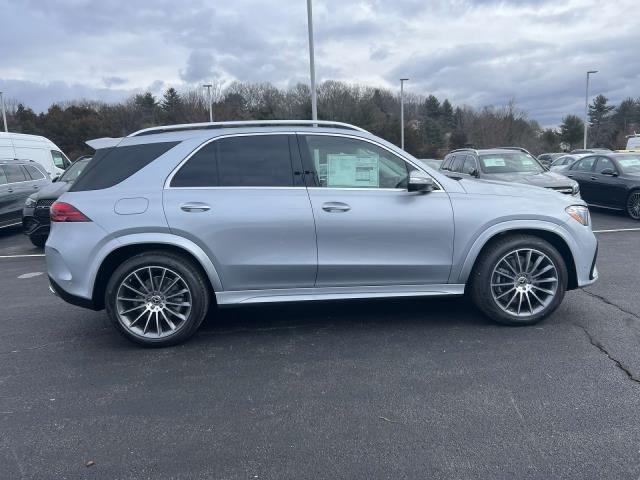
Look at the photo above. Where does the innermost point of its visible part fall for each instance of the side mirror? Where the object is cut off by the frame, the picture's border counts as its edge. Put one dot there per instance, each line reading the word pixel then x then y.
pixel 610 172
pixel 473 172
pixel 420 182
pixel 55 179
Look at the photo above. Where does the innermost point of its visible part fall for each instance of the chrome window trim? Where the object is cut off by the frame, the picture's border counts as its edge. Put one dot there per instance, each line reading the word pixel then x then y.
pixel 167 182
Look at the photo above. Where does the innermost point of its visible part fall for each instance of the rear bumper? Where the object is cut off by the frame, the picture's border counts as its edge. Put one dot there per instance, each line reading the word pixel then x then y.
pixel 58 291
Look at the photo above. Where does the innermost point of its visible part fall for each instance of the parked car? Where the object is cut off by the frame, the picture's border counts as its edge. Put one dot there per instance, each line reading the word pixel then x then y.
pixel 562 163
pixel 174 219
pixel 507 165
pixel 609 180
pixel 633 142
pixel 36 148
pixel 18 180
pixel 590 150
pixel 431 162
pixel 547 158
pixel 35 214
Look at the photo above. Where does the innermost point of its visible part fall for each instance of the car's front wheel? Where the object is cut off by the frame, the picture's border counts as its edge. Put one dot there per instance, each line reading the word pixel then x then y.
pixel 633 205
pixel 519 280
pixel 157 299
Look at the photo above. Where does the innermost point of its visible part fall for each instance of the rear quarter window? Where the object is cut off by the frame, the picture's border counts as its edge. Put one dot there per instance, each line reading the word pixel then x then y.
pixel 110 166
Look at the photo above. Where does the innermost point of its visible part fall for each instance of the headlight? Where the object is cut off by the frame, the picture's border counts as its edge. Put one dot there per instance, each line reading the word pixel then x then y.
pixel 31 202
pixel 579 213
pixel 575 189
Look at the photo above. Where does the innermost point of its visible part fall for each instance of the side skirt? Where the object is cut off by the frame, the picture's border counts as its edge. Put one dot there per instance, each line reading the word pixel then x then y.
pixel 336 293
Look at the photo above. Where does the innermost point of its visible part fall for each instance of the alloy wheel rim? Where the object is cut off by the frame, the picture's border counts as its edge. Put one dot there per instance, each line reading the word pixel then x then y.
pixel 524 282
pixel 153 302
pixel 634 205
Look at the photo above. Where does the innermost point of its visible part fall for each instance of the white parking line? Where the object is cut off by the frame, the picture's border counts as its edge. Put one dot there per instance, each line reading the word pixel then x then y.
pixel 23 256
pixel 616 230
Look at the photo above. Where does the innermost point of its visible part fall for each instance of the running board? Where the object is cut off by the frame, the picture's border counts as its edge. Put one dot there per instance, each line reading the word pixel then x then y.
pixel 335 293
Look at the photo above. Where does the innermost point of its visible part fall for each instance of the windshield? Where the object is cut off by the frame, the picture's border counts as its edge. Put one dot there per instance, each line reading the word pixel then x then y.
pixel 74 170
pixel 630 164
pixel 509 162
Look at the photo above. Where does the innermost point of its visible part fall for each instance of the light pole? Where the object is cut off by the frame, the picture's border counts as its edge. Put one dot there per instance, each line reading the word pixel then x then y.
pixel 586 107
pixel 402 80
pixel 209 86
pixel 312 63
pixel 4 115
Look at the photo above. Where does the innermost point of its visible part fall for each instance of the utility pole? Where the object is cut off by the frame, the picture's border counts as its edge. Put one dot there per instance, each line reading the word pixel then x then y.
pixel 586 107
pixel 209 86
pixel 312 63
pixel 4 115
pixel 402 80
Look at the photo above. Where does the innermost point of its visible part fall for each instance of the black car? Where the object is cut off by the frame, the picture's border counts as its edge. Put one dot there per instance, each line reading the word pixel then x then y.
pixel 609 180
pixel 18 180
pixel 507 165
pixel 35 214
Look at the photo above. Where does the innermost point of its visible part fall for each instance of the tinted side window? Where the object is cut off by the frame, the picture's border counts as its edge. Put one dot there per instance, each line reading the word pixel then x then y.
pixel 446 162
pixel 111 166
pixel 254 161
pixel 34 173
pixel 584 165
pixel 341 162
pixel 604 163
pixel 469 165
pixel 244 161
pixel 59 160
pixel 14 174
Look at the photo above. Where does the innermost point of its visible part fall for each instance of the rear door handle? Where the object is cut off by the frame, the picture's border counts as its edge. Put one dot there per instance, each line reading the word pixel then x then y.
pixel 10 190
pixel 593 178
pixel 195 207
pixel 335 207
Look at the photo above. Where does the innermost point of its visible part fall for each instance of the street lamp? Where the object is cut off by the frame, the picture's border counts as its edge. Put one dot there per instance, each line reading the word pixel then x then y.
pixel 312 66
pixel 586 107
pixel 209 86
pixel 4 115
pixel 402 80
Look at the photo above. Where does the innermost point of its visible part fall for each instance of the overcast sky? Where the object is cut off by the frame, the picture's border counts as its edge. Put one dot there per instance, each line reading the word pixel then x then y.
pixel 475 52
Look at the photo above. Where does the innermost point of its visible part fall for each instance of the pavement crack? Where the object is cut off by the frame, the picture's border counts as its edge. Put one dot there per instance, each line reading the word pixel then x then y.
pixel 596 343
pixel 609 302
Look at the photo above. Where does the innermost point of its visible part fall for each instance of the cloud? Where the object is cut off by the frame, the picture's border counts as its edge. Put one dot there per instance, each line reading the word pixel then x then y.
pixel 474 52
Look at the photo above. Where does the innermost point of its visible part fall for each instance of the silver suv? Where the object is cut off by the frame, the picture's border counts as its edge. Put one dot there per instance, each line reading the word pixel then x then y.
pixel 168 221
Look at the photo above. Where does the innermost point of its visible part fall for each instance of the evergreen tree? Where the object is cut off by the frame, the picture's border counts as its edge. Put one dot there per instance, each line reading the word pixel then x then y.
pixel 572 130
pixel 171 106
pixel 448 120
pixel 601 129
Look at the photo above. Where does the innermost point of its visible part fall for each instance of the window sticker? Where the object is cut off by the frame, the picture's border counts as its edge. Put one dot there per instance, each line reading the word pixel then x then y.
pixel 526 161
pixel 494 162
pixel 629 162
pixel 352 170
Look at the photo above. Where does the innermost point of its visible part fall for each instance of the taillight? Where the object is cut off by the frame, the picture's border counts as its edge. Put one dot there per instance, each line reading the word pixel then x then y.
pixel 65 212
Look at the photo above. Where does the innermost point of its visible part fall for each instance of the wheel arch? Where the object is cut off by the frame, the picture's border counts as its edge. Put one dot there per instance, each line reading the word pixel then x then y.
pixel 125 250
pixel 551 233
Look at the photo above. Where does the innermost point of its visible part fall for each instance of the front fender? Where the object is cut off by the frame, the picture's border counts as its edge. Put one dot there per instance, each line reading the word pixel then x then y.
pixel 460 272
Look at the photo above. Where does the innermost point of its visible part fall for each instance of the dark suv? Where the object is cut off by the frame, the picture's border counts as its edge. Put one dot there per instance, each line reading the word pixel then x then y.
pixel 506 164
pixel 18 180
pixel 35 215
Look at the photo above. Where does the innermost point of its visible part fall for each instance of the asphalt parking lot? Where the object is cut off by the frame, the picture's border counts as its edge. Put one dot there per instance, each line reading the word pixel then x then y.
pixel 362 389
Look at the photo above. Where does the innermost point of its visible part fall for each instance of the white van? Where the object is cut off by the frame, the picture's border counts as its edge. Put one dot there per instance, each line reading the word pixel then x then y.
pixel 633 142
pixel 33 147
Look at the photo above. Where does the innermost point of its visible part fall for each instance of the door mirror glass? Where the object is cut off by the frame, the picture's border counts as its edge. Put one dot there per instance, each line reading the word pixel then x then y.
pixel 473 172
pixel 420 182
pixel 609 171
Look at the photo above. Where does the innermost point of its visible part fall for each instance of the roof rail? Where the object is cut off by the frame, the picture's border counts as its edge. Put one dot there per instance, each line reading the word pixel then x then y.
pixel 243 123
pixel 520 149
pixel 467 149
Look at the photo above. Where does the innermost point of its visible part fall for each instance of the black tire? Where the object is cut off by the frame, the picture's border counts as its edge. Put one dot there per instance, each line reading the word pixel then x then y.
pixel 633 209
pixel 191 275
pixel 482 276
pixel 38 240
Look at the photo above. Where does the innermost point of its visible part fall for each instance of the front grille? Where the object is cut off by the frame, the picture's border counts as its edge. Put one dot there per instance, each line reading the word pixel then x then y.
pixel 565 190
pixel 42 209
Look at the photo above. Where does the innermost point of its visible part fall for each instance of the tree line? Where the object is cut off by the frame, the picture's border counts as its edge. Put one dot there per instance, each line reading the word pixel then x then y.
pixel 433 126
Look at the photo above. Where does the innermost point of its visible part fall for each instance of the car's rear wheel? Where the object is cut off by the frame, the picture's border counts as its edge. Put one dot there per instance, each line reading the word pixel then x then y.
pixel 38 240
pixel 519 280
pixel 633 205
pixel 157 299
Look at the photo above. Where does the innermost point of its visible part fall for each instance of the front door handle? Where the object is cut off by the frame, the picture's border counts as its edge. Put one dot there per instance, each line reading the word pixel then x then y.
pixel 335 207
pixel 10 190
pixel 35 187
pixel 195 207
pixel 570 176
pixel 593 178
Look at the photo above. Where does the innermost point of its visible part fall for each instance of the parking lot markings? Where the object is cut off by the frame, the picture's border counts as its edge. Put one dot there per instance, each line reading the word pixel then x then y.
pixel 23 255
pixel 616 230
